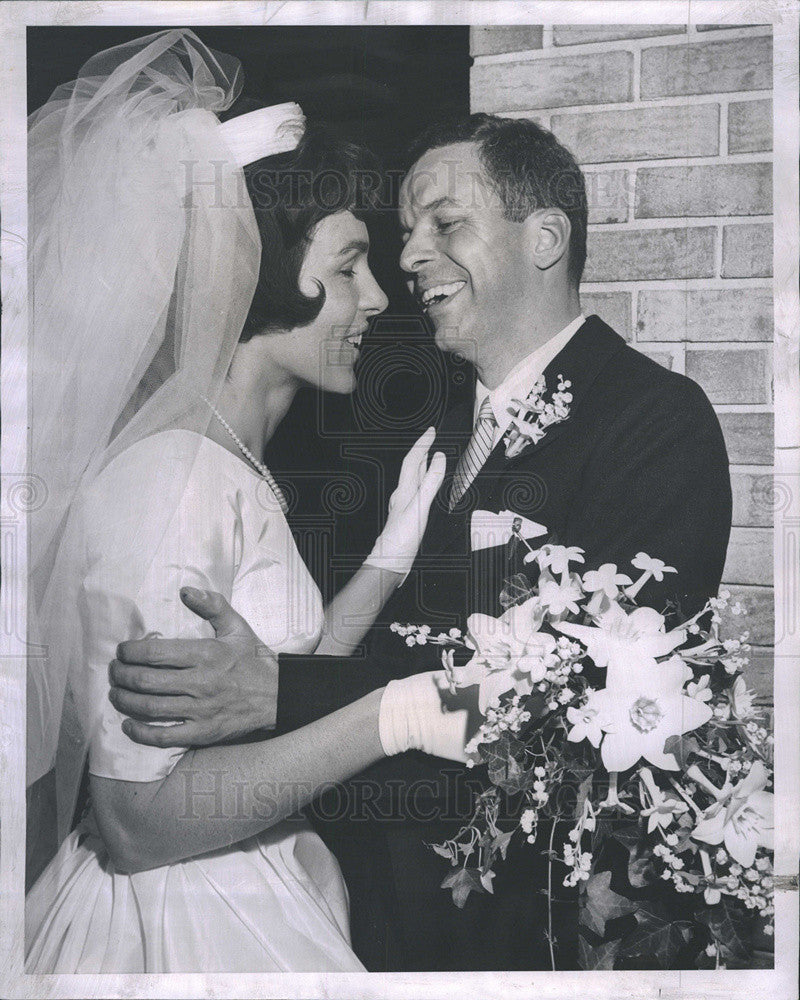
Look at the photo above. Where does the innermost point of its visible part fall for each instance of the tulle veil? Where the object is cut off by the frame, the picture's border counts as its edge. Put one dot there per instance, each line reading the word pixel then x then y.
pixel 143 260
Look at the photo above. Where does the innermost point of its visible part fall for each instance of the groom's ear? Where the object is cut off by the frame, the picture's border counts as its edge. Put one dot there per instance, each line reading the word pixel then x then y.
pixel 548 233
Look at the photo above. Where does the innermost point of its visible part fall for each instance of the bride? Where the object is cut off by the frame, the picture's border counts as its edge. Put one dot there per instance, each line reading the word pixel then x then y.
pixel 177 306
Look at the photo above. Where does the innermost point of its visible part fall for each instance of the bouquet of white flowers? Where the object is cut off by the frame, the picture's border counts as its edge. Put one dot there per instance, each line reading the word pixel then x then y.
pixel 657 737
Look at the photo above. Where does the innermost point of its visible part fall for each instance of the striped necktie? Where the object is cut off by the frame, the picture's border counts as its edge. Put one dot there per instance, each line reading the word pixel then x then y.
pixel 475 454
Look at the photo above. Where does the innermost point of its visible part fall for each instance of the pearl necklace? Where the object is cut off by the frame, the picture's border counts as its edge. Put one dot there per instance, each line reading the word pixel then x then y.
pixel 259 466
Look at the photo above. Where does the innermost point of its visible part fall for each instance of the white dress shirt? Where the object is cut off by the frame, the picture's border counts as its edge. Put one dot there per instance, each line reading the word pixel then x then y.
pixel 520 380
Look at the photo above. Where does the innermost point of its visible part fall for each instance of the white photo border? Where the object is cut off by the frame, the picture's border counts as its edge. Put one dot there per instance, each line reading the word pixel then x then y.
pixel 18 494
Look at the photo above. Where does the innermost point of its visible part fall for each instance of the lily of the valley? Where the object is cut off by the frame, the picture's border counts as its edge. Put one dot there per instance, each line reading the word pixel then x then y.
pixel 742 817
pixel 641 709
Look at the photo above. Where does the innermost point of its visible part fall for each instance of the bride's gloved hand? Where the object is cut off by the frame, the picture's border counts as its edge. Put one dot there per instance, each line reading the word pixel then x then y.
pixel 420 713
pixel 396 547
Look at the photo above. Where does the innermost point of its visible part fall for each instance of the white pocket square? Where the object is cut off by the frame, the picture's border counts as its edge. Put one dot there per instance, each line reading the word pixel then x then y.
pixel 488 530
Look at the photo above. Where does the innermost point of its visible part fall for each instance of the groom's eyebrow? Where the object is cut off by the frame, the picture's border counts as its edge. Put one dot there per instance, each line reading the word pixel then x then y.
pixel 432 206
pixel 444 201
pixel 354 246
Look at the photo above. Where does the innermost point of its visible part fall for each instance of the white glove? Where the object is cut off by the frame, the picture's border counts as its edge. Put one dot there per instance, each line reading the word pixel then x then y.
pixel 413 715
pixel 409 505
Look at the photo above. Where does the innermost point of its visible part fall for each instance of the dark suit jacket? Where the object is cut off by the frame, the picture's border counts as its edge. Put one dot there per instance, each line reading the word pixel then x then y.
pixel 639 465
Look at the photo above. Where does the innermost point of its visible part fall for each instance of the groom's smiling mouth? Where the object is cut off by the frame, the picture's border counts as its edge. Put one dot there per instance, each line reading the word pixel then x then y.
pixel 437 295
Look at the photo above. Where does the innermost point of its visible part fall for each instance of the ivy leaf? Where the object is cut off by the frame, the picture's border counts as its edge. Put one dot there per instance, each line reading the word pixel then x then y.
pixel 501 841
pixel 536 704
pixel 662 941
pixel 512 778
pixel 504 769
pixel 443 852
pixel 628 835
pixel 596 956
pixel 515 591
pixel 602 903
pixel 603 830
pixel 685 842
pixel 730 927
pixel 651 912
pixel 681 747
pixel 640 870
pixel 462 882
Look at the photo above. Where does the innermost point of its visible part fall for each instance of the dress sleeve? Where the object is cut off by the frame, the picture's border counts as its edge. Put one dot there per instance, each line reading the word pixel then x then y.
pixel 138 556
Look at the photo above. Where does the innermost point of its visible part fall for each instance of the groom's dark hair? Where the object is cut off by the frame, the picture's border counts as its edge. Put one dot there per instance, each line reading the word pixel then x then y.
pixel 528 167
pixel 291 193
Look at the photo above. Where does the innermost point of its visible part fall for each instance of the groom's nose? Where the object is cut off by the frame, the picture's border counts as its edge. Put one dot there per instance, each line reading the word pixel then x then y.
pixel 417 251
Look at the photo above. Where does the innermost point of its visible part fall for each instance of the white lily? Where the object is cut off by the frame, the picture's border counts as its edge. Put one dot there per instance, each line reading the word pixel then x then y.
pixel 585 723
pixel 623 642
pixel 560 597
pixel 711 893
pixel 742 817
pixel 510 653
pixel 508 634
pixel 641 709
pixel 742 700
pixel 612 799
pixel 739 705
pixel 664 807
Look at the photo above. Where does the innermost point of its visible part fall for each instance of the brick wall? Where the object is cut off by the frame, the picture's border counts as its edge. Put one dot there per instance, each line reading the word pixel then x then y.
pixel 673 128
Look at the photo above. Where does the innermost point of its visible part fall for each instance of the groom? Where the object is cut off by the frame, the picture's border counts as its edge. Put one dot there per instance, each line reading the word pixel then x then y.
pixel 494 218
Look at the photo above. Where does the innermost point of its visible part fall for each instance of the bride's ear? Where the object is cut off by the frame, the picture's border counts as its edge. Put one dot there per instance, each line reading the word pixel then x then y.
pixel 548 233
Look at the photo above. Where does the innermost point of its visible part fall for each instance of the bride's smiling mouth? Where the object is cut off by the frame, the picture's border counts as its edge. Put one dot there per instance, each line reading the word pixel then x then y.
pixel 436 296
pixel 353 340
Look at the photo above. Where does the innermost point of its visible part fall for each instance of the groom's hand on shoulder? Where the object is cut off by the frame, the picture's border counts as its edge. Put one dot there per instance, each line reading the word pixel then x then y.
pixel 220 689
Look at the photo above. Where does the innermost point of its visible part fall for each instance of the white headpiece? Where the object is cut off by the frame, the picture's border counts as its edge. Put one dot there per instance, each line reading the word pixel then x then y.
pixel 138 298
pixel 264 132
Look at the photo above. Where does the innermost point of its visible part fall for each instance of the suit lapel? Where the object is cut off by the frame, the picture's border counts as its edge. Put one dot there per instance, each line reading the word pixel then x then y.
pixel 581 362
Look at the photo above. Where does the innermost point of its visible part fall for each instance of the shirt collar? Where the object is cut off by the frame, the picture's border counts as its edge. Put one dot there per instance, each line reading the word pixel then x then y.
pixel 520 380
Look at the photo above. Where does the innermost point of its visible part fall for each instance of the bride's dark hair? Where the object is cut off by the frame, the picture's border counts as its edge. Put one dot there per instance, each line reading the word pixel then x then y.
pixel 291 193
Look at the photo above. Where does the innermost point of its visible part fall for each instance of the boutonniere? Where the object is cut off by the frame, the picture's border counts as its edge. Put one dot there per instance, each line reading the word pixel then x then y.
pixel 533 415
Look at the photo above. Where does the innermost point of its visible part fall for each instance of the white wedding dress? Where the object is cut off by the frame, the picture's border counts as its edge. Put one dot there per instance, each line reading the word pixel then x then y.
pixel 273 902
